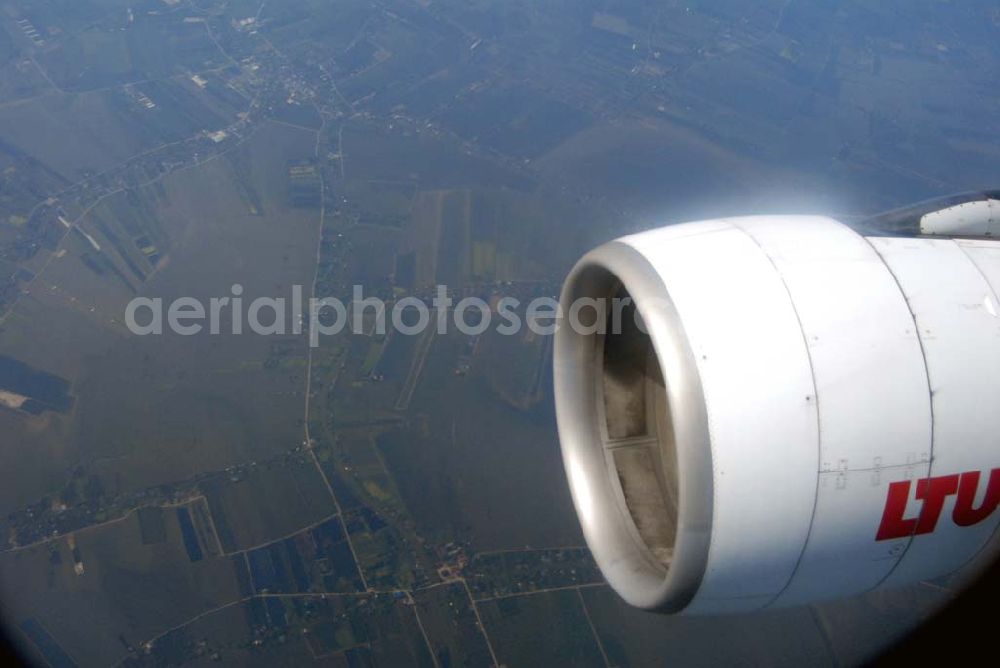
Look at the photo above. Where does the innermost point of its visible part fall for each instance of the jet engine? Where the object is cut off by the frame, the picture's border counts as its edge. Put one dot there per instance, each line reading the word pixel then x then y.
pixel 777 410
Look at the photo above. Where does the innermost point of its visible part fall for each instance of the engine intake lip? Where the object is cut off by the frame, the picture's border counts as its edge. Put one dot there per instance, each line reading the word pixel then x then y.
pixel 643 578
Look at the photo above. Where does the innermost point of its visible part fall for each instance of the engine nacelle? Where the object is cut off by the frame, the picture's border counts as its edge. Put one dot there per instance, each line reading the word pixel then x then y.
pixel 798 413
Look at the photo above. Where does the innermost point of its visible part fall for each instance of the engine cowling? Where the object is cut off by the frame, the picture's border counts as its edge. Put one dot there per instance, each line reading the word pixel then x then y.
pixel 773 411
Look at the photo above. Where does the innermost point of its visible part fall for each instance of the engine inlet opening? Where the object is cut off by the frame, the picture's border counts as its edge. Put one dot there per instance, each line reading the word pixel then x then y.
pixel 637 432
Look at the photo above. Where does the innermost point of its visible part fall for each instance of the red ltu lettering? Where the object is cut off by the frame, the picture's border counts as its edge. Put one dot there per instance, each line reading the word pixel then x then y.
pixel 933 492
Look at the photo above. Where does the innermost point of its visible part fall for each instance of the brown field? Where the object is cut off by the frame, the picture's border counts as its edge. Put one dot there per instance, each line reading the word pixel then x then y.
pixel 126 588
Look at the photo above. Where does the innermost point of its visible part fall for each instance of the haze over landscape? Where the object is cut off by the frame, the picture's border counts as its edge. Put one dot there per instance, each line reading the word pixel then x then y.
pixel 385 499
